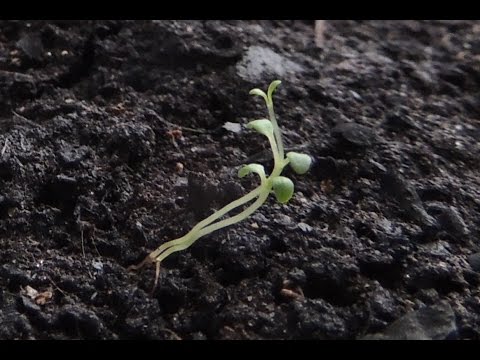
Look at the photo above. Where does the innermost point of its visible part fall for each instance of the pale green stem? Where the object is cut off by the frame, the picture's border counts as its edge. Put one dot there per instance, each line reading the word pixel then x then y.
pixel 227 208
pixel 239 217
pixel 276 129
pixel 216 215
pixel 277 170
pixel 194 236
pixel 276 155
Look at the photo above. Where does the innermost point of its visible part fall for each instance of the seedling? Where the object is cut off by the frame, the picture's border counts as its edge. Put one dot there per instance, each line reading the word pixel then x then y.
pixel 281 186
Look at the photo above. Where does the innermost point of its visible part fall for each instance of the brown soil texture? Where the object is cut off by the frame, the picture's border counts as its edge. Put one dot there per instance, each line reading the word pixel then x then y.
pixel 95 117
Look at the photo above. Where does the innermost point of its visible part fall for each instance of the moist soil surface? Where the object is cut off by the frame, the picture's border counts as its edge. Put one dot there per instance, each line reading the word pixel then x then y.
pixel 117 136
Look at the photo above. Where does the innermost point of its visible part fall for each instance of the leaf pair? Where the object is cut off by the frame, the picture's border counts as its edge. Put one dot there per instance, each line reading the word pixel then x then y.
pixel 300 163
pixel 282 186
pixel 267 97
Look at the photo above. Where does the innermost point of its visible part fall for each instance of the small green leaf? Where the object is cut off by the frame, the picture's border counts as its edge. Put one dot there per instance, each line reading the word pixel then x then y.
pixel 263 126
pixel 300 163
pixel 283 189
pixel 247 169
pixel 259 93
pixel 272 88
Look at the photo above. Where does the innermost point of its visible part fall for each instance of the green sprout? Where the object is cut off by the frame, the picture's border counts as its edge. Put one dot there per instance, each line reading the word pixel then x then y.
pixel 281 186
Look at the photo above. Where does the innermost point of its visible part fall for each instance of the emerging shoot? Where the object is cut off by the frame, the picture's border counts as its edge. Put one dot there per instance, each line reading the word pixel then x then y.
pixel 281 186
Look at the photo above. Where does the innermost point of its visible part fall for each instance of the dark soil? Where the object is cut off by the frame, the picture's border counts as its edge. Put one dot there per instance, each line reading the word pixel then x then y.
pixel 386 223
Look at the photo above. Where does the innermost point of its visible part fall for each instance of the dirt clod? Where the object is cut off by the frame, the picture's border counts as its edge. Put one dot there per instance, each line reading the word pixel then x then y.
pixel 117 136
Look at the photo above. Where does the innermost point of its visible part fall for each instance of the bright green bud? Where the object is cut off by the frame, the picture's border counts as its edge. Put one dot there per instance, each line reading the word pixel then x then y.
pixel 258 92
pixel 273 86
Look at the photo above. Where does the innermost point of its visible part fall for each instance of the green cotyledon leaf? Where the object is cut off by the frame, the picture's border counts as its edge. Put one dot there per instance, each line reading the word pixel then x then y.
pixel 300 163
pixel 283 189
pixel 256 168
pixel 262 126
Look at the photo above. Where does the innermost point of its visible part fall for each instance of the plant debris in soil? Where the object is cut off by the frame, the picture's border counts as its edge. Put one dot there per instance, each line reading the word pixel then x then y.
pixel 116 136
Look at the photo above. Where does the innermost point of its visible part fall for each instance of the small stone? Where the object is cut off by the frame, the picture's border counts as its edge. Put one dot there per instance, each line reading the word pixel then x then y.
pixel 305 227
pixel 97 265
pixel 232 127
pixel 261 61
pixel 283 219
pixel 355 134
pixel 260 218
pixel 435 322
